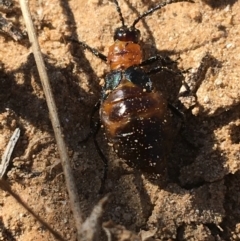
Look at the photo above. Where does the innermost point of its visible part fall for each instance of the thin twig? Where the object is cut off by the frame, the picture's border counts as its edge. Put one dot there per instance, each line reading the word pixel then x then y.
pixel 8 152
pixel 71 187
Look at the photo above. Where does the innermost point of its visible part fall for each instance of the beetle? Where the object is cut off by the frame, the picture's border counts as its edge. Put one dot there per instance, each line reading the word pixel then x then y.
pixel 137 119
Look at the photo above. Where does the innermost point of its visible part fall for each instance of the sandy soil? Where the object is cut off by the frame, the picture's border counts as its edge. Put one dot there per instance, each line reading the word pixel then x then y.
pixel 199 196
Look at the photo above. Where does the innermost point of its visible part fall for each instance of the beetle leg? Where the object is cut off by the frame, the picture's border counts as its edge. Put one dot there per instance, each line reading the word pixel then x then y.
pixel 176 111
pixel 92 50
pixel 94 129
pixel 164 61
pixel 94 124
pixel 182 128
pixel 161 68
pixel 104 160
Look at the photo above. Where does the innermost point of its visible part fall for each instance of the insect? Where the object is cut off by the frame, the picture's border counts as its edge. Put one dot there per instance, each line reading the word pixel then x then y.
pixel 136 118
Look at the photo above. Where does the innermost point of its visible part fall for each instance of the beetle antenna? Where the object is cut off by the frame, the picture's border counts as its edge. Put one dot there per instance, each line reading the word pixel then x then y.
pixel 119 12
pixel 159 6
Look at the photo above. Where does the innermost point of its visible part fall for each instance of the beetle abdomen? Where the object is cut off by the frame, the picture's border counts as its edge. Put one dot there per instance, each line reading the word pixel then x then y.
pixel 137 124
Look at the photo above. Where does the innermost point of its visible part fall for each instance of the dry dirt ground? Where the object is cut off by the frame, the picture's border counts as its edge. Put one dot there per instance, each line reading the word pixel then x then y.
pixel 198 198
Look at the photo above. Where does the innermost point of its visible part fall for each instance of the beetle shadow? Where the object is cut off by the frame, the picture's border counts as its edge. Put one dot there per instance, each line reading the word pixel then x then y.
pixel 208 164
pixel 209 169
pixel 200 128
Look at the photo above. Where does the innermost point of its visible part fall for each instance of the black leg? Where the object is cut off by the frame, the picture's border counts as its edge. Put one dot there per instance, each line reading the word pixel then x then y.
pixel 94 124
pixel 181 127
pixel 176 111
pixel 105 163
pixel 161 68
pixel 92 50
pixel 94 129
pixel 164 61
